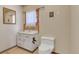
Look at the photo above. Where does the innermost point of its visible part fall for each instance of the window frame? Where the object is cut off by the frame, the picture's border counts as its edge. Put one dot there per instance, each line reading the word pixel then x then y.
pixel 37 24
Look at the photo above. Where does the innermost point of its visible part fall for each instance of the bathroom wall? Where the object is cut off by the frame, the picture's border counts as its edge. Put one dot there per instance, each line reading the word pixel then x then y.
pixel 8 31
pixel 58 26
pixel 63 26
pixel 75 29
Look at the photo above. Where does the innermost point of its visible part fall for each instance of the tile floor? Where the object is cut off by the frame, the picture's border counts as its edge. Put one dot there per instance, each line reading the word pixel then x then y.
pixel 17 50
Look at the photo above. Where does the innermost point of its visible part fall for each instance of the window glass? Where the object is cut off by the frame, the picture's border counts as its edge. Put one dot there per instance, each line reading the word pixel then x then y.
pixel 31 18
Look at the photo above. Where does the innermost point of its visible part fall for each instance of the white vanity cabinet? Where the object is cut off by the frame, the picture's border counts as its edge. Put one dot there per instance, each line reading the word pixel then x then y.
pixel 28 41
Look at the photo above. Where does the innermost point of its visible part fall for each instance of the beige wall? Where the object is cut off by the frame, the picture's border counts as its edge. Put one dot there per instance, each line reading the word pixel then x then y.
pixel 64 26
pixel 75 29
pixel 8 31
pixel 58 26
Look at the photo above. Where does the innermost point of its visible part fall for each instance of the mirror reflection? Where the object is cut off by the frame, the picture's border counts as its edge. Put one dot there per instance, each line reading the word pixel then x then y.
pixel 9 16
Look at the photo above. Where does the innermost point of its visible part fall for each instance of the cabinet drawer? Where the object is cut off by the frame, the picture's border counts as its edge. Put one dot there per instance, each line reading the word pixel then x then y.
pixel 26 36
pixel 19 39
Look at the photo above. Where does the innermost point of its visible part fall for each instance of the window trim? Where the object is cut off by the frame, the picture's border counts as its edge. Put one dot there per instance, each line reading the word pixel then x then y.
pixel 37 24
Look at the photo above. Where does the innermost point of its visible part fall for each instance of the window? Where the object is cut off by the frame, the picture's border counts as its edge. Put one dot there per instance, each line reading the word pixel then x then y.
pixel 32 20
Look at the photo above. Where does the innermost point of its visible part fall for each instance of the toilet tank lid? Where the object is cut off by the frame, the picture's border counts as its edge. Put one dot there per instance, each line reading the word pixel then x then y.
pixel 50 38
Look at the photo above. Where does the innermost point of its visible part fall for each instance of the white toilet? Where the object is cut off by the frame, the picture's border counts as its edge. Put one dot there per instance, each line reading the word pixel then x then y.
pixel 46 46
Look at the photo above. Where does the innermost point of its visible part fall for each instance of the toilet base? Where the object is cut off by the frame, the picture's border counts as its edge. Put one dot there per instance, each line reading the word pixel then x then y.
pixel 54 53
pixel 45 52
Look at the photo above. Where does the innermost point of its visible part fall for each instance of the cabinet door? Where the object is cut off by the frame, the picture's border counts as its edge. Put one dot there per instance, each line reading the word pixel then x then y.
pixel 28 44
pixel 35 44
pixel 20 41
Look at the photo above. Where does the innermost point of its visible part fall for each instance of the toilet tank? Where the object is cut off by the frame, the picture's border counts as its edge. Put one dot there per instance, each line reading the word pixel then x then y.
pixel 47 40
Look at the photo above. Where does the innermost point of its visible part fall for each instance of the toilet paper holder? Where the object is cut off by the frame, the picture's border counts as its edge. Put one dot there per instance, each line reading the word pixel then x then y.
pixel 33 40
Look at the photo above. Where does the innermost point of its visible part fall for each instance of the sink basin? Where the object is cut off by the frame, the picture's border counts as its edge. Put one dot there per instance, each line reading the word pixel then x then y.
pixel 29 32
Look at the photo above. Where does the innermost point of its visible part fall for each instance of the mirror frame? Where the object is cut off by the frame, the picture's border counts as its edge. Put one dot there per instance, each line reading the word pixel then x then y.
pixel 4 16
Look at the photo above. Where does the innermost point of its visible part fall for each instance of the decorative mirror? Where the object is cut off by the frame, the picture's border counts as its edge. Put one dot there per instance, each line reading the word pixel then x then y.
pixel 9 16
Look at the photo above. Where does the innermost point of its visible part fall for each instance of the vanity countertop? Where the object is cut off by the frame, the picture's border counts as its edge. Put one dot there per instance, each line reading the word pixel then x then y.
pixel 29 32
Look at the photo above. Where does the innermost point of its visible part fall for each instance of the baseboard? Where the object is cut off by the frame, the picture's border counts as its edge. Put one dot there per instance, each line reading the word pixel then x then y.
pixel 28 50
pixel 25 49
pixel 7 49
pixel 19 47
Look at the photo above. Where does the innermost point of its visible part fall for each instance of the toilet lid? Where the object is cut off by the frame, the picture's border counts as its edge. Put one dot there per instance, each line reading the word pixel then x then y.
pixel 44 47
